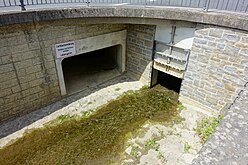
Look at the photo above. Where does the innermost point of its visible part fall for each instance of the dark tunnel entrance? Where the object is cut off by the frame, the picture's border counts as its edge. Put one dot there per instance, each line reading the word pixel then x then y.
pixel 166 80
pixel 92 68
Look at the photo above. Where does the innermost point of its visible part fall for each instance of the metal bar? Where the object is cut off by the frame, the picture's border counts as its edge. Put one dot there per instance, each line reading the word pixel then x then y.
pixel 173 31
pixel 153 55
pixel 181 2
pixel 206 5
pixel 4 3
pixel 190 3
pixel 227 4
pixel 22 5
pixel 237 5
pixel 198 5
pixel 217 5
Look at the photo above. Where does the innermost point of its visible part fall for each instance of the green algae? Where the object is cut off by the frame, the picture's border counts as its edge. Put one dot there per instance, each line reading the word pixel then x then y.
pixel 97 139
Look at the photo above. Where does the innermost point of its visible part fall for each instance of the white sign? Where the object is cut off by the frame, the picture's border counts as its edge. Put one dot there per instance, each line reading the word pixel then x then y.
pixel 65 49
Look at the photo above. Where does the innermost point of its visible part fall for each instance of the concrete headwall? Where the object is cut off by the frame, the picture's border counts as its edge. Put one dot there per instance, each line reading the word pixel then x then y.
pixel 218 66
pixel 28 77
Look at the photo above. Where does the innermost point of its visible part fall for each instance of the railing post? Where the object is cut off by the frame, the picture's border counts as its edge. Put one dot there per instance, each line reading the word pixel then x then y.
pixel 88 3
pixel 206 5
pixel 22 5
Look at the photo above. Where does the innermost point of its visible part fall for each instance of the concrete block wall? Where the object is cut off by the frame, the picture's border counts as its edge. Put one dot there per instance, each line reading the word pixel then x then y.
pixel 140 40
pixel 28 77
pixel 218 66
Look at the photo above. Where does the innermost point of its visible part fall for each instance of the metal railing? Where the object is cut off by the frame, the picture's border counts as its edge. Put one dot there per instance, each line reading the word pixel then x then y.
pixel 228 5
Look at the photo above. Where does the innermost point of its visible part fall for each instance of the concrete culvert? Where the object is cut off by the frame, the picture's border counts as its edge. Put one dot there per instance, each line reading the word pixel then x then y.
pixel 90 69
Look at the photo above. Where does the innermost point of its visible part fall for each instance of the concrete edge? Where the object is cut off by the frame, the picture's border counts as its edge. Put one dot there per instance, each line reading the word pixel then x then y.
pixel 220 18
pixel 198 106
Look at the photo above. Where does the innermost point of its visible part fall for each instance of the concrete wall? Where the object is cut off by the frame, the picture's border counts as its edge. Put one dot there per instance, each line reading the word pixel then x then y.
pixel 28 77
pixel 218 66
pixel 140 40
pixel 127 14
pixel 95 43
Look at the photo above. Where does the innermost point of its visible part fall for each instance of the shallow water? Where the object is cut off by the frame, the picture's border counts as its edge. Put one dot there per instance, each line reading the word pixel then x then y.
pixel 98 139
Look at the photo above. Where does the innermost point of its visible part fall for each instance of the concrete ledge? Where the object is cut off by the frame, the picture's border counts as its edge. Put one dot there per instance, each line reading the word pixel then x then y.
pixel 226 19
pixel 197 106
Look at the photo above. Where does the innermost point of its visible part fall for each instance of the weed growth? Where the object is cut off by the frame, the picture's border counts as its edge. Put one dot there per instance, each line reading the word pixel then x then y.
pixel 60 119
pixel 180 106
pixel 87 113
pixel 96 139
pixel 152 144
pixel 206 127
pixel 117 89
pixel 161 157
pixel 186 147
pixel 134 151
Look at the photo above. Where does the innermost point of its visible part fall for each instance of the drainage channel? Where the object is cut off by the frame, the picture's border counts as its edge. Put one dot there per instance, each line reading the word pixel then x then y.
pixel 97 139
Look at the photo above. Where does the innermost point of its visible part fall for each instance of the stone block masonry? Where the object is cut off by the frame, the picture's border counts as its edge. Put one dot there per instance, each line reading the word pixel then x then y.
pixel 140 40
pixel 218 66
pixel 28 77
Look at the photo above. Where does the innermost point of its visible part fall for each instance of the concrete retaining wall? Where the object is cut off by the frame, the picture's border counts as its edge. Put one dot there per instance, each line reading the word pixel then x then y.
pixel 28 77
pixel 218 66
pixel 140 40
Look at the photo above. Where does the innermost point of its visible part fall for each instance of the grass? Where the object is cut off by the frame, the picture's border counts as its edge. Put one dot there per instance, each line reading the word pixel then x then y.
pixel 161 133
pixel 134 151
pixel 152 144
pixel 87 113
pixel 98 138
pixel 206 127
pixel 117 89
pixel 60 119
pixel 161 157
pixel 180 106
pixel 186 147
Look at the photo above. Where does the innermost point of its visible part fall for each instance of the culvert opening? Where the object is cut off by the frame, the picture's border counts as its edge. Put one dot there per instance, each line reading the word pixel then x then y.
pixel 92 68
pixel 166 80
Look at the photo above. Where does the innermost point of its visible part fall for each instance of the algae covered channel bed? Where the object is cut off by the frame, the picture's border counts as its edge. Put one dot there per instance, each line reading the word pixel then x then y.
pixel 97 139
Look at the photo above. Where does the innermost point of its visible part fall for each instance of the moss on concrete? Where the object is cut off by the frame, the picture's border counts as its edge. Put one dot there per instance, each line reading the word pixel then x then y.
pixel 98 139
